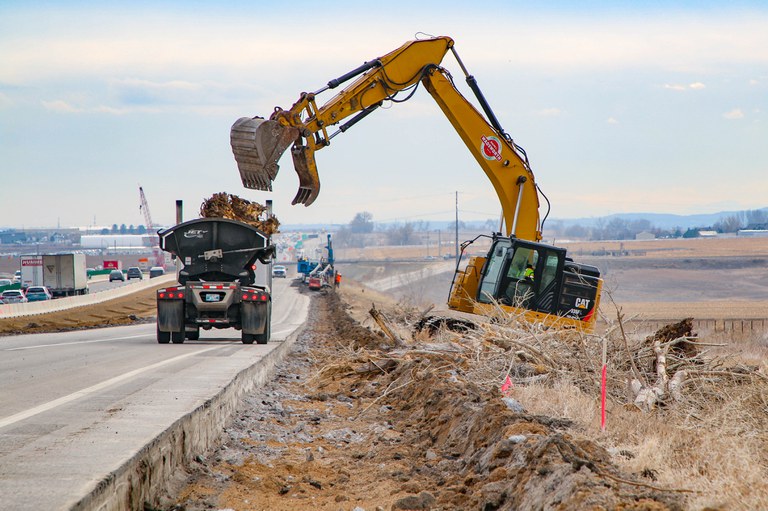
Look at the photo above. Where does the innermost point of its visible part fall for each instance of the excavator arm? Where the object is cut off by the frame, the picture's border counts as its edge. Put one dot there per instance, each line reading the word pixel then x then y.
pixel 258 143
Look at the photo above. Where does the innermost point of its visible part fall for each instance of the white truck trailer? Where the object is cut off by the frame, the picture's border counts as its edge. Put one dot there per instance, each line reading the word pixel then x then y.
pixel 62 274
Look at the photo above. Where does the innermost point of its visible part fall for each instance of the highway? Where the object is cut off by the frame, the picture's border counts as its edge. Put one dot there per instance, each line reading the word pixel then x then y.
pixel 76 408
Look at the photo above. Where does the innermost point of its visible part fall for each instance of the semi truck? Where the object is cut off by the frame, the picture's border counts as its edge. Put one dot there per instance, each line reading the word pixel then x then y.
pixel 224 281
pixel 62 274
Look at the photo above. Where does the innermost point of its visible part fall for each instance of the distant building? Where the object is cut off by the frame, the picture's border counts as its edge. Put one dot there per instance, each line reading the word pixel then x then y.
pixel 708 234
pixel 753 233
pixel 645 235
pixel 114 241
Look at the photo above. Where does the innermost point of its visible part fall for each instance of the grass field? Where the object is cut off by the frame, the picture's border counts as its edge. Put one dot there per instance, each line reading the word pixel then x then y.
pixel 705 278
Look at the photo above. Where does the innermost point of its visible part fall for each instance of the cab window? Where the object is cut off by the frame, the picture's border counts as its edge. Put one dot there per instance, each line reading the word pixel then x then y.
pixel 493 272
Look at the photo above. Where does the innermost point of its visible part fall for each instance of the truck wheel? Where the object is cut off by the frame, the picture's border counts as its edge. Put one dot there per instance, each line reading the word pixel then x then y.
pixel 177 337
pixel 193 335
pixel 248 338
pixel 264 338
pixel 163 337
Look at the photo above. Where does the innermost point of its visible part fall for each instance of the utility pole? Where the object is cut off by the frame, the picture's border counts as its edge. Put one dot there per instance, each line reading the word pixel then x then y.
pixel 457 226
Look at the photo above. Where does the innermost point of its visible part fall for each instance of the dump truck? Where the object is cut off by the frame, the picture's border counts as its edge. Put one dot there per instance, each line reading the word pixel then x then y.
pixel 224 282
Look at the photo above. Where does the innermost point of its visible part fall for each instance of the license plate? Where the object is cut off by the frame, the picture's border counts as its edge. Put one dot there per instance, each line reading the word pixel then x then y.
pixel 212 297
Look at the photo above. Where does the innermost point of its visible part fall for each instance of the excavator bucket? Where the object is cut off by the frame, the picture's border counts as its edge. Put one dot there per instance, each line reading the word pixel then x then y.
pixel 257 145
pixel 306 168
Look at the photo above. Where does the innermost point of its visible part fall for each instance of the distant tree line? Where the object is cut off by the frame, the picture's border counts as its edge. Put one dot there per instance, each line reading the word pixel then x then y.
pixel 621 229
pixel 123 229
pixel 361 230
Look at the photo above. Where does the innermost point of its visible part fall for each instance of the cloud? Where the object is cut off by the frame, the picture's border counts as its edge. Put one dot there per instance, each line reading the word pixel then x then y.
pixel 736 113
pixel 550 112
pixel 612 120
pixel 173 85
pixel 679 87
pixel 169 40
pixel 5 101
pixel 59 105
pixel 754 82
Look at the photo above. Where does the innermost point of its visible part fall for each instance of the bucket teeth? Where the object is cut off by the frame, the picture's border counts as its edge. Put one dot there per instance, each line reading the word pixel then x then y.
pixel 257 145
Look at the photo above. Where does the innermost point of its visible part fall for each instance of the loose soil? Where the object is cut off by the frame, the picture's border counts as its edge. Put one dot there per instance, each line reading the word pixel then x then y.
pixel 352 422
pixel 138 307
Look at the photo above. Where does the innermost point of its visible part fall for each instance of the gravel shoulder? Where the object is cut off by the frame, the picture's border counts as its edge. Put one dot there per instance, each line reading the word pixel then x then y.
pixel 352 422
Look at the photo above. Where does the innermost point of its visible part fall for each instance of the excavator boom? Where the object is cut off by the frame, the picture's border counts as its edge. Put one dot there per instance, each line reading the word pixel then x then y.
pixel 258 143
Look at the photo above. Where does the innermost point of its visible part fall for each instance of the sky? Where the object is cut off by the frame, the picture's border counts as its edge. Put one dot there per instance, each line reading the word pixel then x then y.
pixel 621 108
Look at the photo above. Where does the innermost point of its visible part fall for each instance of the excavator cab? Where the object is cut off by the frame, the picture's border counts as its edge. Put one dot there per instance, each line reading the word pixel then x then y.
pixel 536 279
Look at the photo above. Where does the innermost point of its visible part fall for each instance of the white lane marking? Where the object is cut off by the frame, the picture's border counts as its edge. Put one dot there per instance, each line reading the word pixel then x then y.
pixel 280 332
pixel 74 342
pixel 7 421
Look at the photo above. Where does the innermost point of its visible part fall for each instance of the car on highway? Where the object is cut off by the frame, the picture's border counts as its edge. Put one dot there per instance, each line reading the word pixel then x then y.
pixel 116 275
pixel 38 294
pixel 13 296
pixel 134 272
pixel 156 271
pixel 17 276
pixel 5 282
pixel 279 271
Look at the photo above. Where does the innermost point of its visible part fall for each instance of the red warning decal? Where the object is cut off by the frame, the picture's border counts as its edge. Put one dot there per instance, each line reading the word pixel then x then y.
pixel 491 148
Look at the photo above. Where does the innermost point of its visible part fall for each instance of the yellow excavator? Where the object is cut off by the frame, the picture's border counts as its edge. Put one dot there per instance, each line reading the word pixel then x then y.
pixel 519 273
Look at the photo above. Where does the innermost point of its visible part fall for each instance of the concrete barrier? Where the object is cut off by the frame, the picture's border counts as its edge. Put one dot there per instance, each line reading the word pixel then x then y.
pixel 15 310
pixel 148 474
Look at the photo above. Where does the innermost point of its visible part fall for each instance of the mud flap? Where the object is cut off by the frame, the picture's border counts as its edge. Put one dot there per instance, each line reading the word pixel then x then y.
pixel 253 317
pixel 170 316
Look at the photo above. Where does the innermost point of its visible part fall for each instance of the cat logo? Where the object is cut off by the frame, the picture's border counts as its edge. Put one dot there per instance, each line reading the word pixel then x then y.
pixel 582 303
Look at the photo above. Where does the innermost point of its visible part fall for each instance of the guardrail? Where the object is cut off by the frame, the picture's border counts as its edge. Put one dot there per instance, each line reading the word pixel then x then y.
pixel 15 310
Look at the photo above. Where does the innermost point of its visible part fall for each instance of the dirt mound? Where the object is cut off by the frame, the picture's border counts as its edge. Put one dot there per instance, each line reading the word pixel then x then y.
pixel 138 307
pixel 352 422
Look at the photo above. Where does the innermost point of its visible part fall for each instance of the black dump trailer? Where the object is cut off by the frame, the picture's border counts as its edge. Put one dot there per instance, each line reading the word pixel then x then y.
pixel 224 281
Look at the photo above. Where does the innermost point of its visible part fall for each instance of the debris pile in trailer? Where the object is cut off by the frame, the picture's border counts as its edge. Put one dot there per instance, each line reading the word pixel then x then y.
pixel 232 207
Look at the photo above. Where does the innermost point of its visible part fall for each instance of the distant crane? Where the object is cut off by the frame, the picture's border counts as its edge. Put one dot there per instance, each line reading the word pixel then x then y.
pixel 152 240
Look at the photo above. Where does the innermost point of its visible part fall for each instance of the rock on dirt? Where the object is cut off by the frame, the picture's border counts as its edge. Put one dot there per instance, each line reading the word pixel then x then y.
pixel 350 423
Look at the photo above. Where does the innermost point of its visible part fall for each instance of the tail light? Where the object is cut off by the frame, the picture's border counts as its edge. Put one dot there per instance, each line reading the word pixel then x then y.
pixel 255 296
pixel 171 293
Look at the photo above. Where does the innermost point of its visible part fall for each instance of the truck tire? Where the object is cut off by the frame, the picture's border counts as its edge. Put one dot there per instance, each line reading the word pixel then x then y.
pixel 264 338
pixel 163 337
pixel 177 337
pixel 193 335
pixel 248 338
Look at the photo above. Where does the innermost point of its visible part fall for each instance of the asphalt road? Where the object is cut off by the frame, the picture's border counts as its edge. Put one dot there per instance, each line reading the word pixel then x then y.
pixel 75 406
